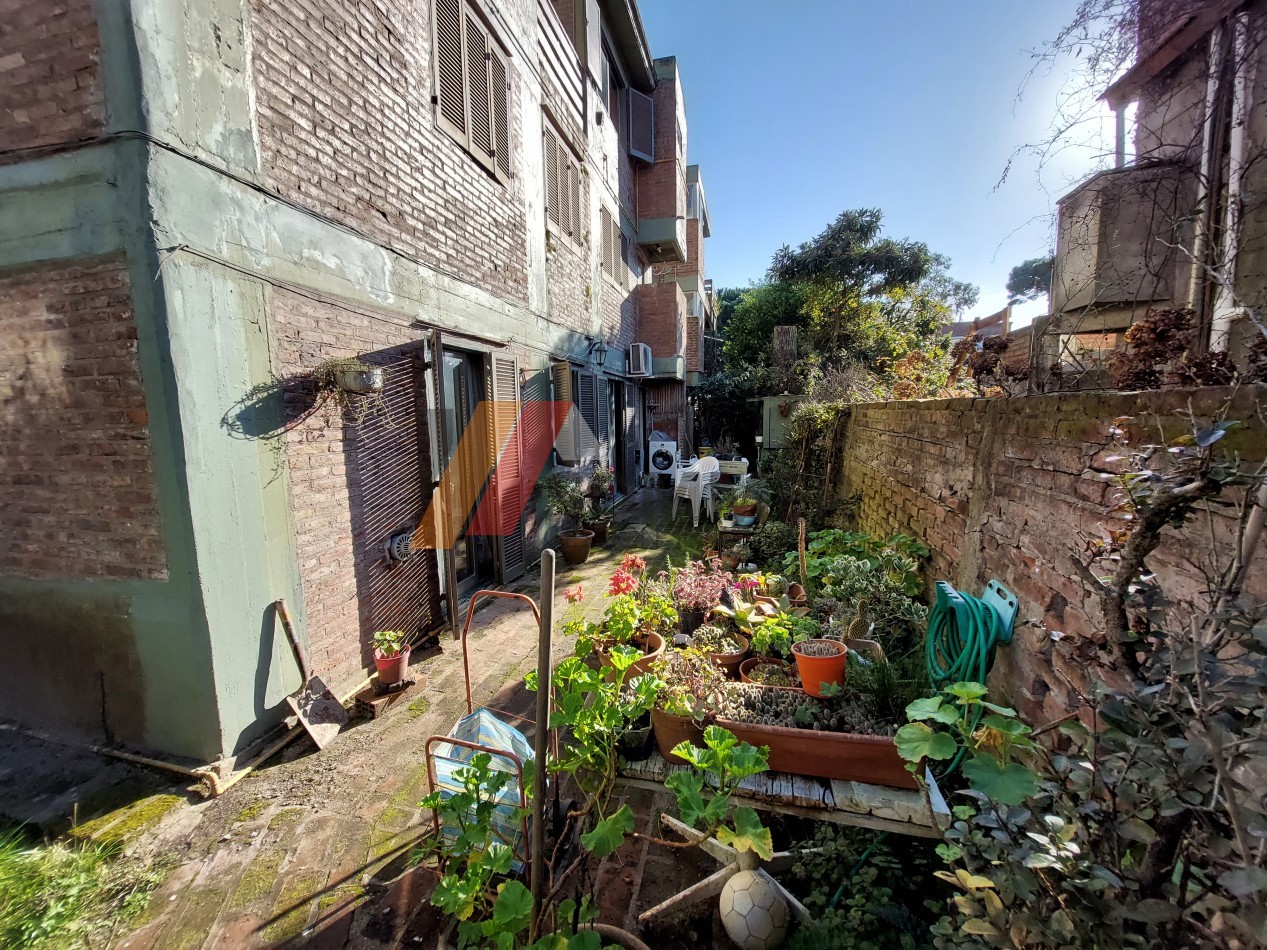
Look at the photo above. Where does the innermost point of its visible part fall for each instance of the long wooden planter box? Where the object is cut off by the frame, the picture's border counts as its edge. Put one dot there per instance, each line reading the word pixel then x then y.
pixel 872 760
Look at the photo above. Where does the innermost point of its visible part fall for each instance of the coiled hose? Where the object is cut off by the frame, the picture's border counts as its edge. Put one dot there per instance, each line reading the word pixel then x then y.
pixel 963 634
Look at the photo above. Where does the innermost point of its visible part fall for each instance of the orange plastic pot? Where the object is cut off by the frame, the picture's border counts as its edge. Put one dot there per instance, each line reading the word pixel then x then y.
pixel 817 670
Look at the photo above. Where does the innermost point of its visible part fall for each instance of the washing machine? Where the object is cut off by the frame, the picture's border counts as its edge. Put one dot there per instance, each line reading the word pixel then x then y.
pixel 661 453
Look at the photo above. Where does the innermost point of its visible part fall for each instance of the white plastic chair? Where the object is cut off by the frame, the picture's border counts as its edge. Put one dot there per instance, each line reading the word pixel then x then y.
pixel 696 482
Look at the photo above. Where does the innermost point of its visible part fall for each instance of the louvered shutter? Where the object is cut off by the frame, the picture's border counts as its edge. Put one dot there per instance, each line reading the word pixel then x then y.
pixel 508 473
pixel 565 441
pixel 566 215
pixel 606 225
pixel 633 439
pixel 641 126
pixel 603 414
pixel 574 182
pixel 500 82
pixel 450 70
pixel 478 92
pixel 588 445
pixel 624 260
pixel 552 178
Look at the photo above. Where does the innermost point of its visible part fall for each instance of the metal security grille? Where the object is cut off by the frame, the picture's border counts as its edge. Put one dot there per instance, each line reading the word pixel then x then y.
pixel 393 464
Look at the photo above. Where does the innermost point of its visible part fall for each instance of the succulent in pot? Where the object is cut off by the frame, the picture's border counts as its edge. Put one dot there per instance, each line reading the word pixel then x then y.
pixel 598 520
pixel 746 498
pixel 726 647
pixel 820 663
pixel 391 656
pixel 697 589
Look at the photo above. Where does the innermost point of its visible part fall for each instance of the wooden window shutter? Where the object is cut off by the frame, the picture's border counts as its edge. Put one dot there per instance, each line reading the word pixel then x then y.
pixel 624 260
pixel 567 214
pixel 641 126
pixel 574 184
pixel 603 413
pixel 587 446
pixel 450 68
pixel 508 476
pixel 479 95
pixel 552 178
pixel 500 83
pixel 607 240
pixel 565 442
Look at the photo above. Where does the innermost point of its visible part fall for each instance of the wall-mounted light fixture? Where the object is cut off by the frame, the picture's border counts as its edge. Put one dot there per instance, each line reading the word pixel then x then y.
pixel 598 349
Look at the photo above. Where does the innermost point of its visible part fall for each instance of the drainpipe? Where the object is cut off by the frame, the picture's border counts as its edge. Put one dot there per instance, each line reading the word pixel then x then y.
pixel 1225 309
pixel 1205 202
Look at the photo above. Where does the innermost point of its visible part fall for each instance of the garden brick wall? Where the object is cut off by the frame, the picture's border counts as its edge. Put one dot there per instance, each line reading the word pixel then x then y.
pixel 347 129
pixel 1007 488
pixel 50 81
pixel 77 490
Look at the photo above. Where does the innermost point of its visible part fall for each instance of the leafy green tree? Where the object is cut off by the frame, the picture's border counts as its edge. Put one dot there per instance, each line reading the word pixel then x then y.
pixel 749 329
pixel 1030 279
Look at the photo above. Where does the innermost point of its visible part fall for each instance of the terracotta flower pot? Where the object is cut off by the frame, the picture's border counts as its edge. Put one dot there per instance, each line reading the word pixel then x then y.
pixel 391 669
pixel 796 594
pixel 670 730
pixel 575 545
pixel 652 647
pixel 816 670
pixel 750 664
pixel 743 511
pixel 599 528
pixel 730 661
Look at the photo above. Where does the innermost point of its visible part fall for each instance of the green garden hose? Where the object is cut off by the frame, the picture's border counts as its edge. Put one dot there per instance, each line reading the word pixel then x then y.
pixel 963 633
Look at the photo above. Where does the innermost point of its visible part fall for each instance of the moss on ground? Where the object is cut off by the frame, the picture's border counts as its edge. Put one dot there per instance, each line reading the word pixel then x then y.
pixel 340 895
pixel 125 824
pixel 258 879
pixel 195 923
pixel 253 811
pixel 286 820
pixel 419 707
pixel 414 789
pixel 292 908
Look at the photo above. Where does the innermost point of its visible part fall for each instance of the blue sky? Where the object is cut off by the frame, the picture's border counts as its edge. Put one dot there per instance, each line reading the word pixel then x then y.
pixel 799 109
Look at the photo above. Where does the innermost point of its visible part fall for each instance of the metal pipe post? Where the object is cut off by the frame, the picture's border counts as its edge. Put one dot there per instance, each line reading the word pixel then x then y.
pixel 536 869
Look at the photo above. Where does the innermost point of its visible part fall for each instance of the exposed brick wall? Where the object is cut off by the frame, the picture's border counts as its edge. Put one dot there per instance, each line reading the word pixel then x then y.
pixel 346 128
pixel 50 83
pixel 77 490
pixel 694 334
pixel 662 318
pixel 1006 489
pixel 568 280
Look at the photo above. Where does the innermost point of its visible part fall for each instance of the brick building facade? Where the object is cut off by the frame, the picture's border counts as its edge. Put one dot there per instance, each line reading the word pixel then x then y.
pixel 206 203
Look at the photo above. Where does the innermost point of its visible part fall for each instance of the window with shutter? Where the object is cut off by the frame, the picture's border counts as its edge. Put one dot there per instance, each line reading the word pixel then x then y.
pixel 574 187
pixel 641 113
pixel 565 442
pixel 605 226
pixel 587 447
pixel 563 188
pixel 603 413
pixel 472 85
pixel 508 474
pixel 624 259
pixel 552 178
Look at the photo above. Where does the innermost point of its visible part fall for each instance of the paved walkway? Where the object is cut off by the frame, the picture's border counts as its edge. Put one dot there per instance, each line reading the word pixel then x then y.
pixel 312 850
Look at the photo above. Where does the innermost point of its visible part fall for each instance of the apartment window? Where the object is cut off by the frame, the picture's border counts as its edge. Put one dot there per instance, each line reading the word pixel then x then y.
pixel 615 248
pixel 472 85
pixel 563 188
pixel 613 88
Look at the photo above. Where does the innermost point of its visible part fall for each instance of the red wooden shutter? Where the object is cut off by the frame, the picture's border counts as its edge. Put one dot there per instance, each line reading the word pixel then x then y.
pixel 450 72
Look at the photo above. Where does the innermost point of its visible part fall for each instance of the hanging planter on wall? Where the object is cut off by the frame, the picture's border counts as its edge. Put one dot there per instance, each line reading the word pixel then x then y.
pixel 355 387
pixel 359 379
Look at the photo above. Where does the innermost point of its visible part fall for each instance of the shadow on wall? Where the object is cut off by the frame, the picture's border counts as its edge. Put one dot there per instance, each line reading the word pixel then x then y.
pixel 72 665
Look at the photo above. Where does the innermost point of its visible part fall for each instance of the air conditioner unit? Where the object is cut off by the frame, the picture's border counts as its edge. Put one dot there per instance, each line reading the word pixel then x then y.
pixel 639 360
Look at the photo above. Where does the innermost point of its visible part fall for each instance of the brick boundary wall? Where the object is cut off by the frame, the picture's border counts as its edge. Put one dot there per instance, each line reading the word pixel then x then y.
pixel 1007 488
pixel 78 497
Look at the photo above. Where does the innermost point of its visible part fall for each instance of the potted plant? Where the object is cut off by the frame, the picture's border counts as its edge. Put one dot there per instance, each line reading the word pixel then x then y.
pixel 769 671
pixel 565 499
pixel 745 498
pixel 391 656
pixel 599 520
pixel 725 511
pixel 727 648
pixel 820 662
pixel 602 482
pixel 697 589
pixel 351 376
pixel 691 691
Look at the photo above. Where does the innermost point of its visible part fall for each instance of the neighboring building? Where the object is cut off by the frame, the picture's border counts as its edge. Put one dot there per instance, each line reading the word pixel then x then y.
pixel 206 201
pixel 1183 225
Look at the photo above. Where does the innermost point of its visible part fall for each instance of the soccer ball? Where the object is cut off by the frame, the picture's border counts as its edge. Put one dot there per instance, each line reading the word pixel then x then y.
pixel 753 912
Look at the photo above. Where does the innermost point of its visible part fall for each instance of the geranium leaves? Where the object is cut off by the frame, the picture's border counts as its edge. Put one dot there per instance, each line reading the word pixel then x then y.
pixel 748 834
pixel 609 833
